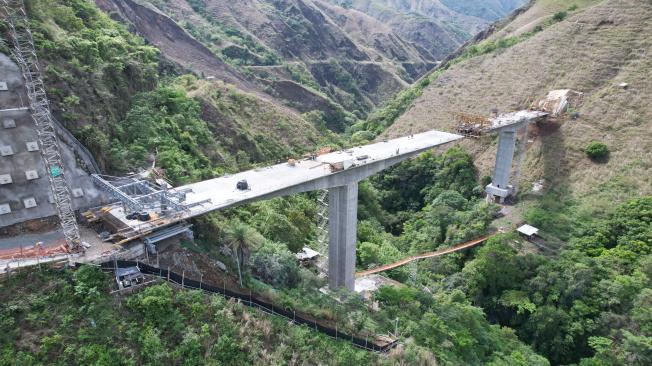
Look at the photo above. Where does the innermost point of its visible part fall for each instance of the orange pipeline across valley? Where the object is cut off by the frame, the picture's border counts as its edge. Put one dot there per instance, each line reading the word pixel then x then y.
pixel 437 253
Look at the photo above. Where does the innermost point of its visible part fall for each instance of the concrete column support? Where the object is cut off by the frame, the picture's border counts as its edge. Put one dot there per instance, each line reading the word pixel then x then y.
pixel 342 219
pixel 504 157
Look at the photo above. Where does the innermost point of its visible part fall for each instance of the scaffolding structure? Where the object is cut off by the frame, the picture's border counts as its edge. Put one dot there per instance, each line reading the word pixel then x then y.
pixel 322 220
pixel 140 195
pixel 15 17
pixel 322 228
pixel 471 125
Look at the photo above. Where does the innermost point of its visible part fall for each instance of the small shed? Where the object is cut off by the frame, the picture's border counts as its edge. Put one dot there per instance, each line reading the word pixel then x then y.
pixel 528 231
pixel 129 276
pixel 306 256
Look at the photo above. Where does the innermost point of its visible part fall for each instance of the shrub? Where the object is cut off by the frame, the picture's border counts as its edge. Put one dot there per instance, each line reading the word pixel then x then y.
pixel 596 150
pixel 274 264
pixel 361 137
pixel 559 16
pixel 368 254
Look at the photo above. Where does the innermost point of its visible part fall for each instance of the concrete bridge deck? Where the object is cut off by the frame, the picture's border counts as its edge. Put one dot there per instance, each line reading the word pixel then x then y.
pixel 339 172
pixel 515 120
pixel 307 175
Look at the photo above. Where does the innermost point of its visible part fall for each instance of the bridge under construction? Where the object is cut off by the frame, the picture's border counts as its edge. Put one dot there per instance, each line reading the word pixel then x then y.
pixel 137 206
pixel 338 172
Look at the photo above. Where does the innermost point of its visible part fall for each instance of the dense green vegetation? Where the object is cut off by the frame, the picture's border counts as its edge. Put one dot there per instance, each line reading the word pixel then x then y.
pixel 90 57
pixel 164 122
pixel 590 304
pixel 67 317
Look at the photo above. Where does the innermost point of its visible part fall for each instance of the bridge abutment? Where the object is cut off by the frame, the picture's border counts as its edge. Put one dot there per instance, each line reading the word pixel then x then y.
pixel 343 219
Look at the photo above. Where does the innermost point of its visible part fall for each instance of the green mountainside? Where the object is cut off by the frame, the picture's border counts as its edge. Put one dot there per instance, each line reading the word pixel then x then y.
pixel 207 87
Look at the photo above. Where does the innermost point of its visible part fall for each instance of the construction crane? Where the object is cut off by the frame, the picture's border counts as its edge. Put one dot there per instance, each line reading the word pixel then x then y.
pixel 15 17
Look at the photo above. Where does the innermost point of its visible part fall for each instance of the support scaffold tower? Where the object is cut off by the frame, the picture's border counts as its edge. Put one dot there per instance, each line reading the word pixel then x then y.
pixel 15 17
pixel 322 227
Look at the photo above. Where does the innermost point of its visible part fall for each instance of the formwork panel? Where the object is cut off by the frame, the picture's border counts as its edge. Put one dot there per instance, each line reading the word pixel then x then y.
pixel 5 209
pixel 32 146
pixel 31 174
pixel 9 123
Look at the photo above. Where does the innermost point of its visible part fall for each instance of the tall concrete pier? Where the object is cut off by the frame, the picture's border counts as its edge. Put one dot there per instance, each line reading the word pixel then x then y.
pixel 339 172
pixel 342 221
pixel 499 186
pixel 506 125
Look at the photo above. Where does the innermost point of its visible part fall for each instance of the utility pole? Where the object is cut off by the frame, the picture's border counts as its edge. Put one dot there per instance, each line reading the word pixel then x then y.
pixel 15 17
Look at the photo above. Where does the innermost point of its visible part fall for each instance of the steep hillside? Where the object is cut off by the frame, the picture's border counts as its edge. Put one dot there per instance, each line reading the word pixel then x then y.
pixel 592 49
pixel 537 14
pixel 125 102
pixel 438 27
pixel 491 10
pixel 351 60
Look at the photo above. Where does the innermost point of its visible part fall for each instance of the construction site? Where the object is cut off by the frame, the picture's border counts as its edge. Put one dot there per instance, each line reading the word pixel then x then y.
pixel 321 182
pixel 57 206
pixel 45 173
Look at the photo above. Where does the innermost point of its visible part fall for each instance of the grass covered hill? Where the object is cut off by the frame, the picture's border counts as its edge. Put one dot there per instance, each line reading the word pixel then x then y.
pixel 589 46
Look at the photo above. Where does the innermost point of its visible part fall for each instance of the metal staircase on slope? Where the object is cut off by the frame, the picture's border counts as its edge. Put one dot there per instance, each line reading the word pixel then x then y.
pixel 15 17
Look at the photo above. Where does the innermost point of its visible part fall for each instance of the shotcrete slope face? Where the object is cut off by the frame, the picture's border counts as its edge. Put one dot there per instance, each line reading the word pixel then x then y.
pixel 29 195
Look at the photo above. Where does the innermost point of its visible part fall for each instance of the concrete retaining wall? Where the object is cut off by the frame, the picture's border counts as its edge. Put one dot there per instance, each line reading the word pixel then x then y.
pixel 30 197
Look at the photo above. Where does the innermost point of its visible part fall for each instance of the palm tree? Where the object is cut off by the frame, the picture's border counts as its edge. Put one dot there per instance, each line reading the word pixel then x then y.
pixel 239 235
